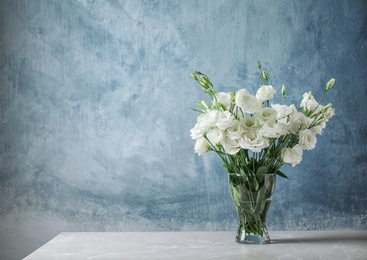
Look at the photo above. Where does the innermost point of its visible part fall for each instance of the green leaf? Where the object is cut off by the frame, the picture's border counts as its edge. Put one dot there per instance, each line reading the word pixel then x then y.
pixel 196 110
pixel 235 196
pixel 255 183
pixel 262 170
pixel 281 174
pixel 259 201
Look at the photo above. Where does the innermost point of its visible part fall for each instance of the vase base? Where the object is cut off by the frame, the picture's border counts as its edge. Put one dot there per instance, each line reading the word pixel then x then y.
pixel 253 240
pixel 244 238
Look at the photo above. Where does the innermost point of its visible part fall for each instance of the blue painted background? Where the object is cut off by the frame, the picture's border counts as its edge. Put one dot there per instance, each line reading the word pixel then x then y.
pixel 95 119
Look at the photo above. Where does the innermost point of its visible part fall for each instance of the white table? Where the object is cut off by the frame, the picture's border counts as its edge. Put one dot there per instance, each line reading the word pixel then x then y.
pixel 203 245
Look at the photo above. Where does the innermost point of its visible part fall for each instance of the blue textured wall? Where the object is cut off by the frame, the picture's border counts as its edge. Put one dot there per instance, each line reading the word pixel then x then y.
pixel 95 119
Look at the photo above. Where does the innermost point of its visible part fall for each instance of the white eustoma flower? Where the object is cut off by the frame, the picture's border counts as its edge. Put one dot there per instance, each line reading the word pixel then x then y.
pixel 266 114
pixel 198 131
pixel 247 102
pixel 309 104
pixel 273 129
pixel 224 120
pixel 224 99
pixel 205 121
pixel 298 121
pixel 201 146
pixel 249 123
pixel 307 139
pixel 241 97
pixel 318 128
pixel 253 141
pixel 282 110
pixel 254 105
pixel 235 131
pixel 231 146
pixel 265 93
pixel 215 135
pixel 330 112
pixel 292 155
pixel 209 118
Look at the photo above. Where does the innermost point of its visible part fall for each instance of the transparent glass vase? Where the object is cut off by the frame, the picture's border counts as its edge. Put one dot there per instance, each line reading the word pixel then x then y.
pixel 252 196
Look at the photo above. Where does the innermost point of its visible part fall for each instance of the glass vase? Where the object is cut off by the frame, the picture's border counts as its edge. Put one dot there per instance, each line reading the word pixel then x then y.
pixel 252 195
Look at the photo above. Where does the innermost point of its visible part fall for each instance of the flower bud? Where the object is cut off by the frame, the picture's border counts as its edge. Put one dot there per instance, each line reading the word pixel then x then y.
pixel 265 75
pixel 203 82
pixel 259 64
pixel 193 76
pixel 309 96
pixel 232 95
pixel 325 108
pixel 320 120
pixel 283 91
pixel 218 105
pixel 203 104
pixel 206 79
pixel 330 84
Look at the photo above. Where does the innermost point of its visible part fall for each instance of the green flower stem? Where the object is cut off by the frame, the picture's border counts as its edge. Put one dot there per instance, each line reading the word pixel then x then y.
pixel 251 202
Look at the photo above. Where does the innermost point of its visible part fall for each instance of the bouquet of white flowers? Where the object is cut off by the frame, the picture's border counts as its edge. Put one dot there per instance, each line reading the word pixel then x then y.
pixel 252 135
pixel 254 139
